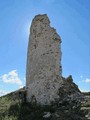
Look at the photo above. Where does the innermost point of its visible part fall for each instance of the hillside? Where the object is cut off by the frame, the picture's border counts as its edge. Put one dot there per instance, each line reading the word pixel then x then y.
pixel 12 107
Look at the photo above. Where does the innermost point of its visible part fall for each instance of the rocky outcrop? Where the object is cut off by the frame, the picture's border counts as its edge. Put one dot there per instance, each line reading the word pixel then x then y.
pixel 44 70
pixel 12 107
pixel 44 81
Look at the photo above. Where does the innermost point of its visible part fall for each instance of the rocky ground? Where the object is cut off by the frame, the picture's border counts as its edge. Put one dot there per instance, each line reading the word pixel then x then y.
pixel 72 105
pixel 85 105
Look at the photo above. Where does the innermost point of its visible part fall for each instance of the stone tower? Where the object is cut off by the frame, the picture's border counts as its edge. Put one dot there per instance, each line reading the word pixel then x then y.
pixel 43 70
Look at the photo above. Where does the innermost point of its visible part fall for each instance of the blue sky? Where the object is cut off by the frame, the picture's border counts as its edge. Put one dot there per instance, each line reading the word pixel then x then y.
pixel 71 19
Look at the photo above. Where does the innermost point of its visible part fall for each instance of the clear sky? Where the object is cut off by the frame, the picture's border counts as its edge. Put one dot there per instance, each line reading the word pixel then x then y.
pixel 71 19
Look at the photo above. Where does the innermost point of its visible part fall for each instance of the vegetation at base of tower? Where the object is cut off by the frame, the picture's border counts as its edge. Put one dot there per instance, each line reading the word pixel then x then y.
pixel 19 110
pixel 14 108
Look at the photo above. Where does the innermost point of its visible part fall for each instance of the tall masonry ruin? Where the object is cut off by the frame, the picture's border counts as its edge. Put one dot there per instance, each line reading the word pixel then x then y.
pixel 43 70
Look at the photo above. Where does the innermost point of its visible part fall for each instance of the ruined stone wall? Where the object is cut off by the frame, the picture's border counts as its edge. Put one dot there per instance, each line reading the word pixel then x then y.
pixel 43 61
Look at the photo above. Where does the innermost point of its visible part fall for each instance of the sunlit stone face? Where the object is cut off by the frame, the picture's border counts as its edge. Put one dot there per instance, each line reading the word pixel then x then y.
pixel 43 61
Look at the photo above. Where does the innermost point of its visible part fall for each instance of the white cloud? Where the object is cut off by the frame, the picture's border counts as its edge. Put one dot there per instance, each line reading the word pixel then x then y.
pixel 87 80
pixel 83 90
pixel 11 77
pixel 3 92
pixel 21 86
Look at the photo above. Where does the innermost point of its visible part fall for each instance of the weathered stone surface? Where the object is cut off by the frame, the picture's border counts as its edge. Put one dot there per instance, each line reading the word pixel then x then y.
pixel 44 69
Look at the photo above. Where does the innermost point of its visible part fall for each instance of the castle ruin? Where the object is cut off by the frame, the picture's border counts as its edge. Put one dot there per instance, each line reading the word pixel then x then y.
pixel 43 70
